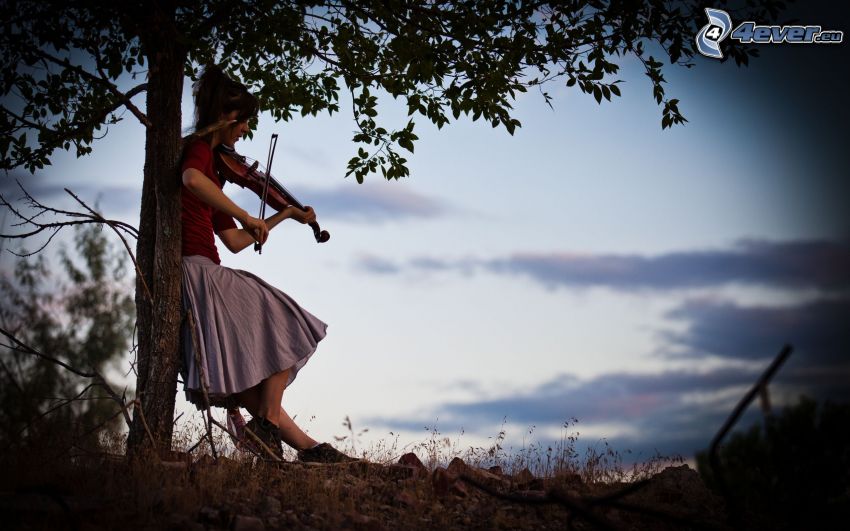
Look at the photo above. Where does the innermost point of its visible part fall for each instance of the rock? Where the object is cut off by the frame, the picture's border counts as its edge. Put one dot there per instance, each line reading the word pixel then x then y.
pixel 184 523
pixel 457 467
pixel 411 461
pixel 247 523
pixel 459 488
pixel 441 481
pixel 363 522
pixel 485 476
pixel 445 482
pixel 408 499
pixel 523 477
pixel 269 506
pixel 397 471
pixel 210 515
pixel 677 484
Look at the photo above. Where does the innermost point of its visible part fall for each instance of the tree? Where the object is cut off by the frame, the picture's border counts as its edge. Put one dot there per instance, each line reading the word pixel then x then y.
pixel 85 320
pixel 66 66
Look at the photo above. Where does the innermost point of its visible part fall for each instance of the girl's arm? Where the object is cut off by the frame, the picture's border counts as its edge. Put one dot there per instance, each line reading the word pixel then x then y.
pixel 237 239
pixel 205 190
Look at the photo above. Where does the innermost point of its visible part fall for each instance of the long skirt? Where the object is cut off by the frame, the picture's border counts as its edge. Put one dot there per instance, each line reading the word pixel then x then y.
pixel 244 331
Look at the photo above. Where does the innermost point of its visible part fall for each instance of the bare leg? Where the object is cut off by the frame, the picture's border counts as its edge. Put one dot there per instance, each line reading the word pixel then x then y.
pixel 292 435
pixel 271 393
pixel 264 400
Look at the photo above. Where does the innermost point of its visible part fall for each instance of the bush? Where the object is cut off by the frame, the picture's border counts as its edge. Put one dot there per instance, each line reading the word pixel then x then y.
pixel 792 473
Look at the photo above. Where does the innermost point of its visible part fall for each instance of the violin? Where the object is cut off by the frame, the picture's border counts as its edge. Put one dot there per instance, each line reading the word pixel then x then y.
pixel 236 168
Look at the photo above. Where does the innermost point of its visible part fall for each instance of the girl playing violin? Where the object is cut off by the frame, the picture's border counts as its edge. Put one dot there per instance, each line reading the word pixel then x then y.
pixel 251 338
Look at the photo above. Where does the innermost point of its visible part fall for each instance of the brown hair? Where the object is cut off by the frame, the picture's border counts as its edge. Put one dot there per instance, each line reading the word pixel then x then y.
pixel 216 95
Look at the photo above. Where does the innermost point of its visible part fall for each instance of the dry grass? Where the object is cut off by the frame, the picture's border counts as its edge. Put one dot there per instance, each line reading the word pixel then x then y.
pixel 98 488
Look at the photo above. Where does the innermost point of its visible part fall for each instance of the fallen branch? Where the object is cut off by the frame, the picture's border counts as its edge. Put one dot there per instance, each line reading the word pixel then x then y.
pixel 714 458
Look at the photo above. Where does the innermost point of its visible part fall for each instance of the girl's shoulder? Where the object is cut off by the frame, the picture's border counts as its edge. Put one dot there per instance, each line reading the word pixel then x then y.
pixel 197 154
pixel 196 146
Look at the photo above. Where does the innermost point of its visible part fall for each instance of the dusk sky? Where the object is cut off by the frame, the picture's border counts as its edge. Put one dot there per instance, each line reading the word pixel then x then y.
pixel 590 266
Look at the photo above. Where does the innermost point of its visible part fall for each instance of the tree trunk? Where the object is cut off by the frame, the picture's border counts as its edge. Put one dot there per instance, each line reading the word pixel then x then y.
pixel 158 249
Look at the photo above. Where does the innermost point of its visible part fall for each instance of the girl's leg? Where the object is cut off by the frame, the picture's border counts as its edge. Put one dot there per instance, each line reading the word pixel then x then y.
pixel 264 400
pixel 292 435
pixel 271 394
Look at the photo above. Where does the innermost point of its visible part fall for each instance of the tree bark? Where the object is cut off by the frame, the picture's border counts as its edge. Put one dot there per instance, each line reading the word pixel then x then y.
pixel 158 249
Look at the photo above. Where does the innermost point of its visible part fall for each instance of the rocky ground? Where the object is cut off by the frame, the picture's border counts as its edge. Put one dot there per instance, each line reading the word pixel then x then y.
pixel 101 492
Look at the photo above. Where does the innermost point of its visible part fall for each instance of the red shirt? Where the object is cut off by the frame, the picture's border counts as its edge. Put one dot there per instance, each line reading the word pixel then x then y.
pixel 200 220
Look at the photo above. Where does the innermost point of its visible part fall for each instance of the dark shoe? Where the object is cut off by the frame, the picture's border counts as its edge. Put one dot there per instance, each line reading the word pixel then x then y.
pixel 267 433
pixel 324 453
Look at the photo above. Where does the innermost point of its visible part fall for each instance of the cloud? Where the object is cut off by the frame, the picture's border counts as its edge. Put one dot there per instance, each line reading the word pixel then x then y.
pixel 373 203
pixel 111 198
pixel 655 407
pixel 362 203
pixel 819 330
pixel 672 412
pixel 678 411
pixel 376 265
pixel 815 263
pixel 798 264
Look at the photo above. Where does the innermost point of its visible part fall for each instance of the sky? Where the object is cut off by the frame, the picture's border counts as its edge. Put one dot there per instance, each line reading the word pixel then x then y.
pixel 590 267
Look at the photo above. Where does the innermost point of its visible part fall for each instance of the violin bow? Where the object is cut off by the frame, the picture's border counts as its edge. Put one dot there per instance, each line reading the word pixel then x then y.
pixel 258 246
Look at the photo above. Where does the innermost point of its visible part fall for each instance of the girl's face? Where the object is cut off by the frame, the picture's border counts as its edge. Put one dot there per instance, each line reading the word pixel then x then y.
pixel 235 131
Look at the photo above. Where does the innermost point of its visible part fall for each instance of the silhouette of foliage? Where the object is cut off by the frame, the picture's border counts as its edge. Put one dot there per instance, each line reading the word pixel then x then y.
pixel 794 471
pixel 83 316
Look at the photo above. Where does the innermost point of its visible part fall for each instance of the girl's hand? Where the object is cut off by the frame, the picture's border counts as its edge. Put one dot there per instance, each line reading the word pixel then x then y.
pixel 256 227
pixel 304 216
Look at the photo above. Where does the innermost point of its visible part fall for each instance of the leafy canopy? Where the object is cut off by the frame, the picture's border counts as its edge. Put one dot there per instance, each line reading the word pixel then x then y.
pixel 72 68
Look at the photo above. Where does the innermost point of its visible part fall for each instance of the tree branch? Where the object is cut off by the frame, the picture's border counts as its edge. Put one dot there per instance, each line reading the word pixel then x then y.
pixel 91 217
pixel 98 380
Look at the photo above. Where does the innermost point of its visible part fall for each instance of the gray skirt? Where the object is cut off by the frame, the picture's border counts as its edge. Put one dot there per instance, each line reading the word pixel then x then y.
pixel 244 331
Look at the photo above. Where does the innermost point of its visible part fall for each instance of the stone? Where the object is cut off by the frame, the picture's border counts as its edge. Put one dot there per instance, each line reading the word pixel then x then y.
pixel 209 514
pixel 448 481
pixel 396 471
pixel 457 467
pixel 459 489
pixel 408 499
pixel 269 506
pixel 411 461
pixel 247 523
pixel 441 481
pixel 677 484
pixel 184 523
pixel 363 522
pixel 523 477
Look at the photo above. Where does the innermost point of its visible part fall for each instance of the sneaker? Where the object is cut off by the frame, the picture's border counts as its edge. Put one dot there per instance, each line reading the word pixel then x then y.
pixel 267 432
pixel 324 453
